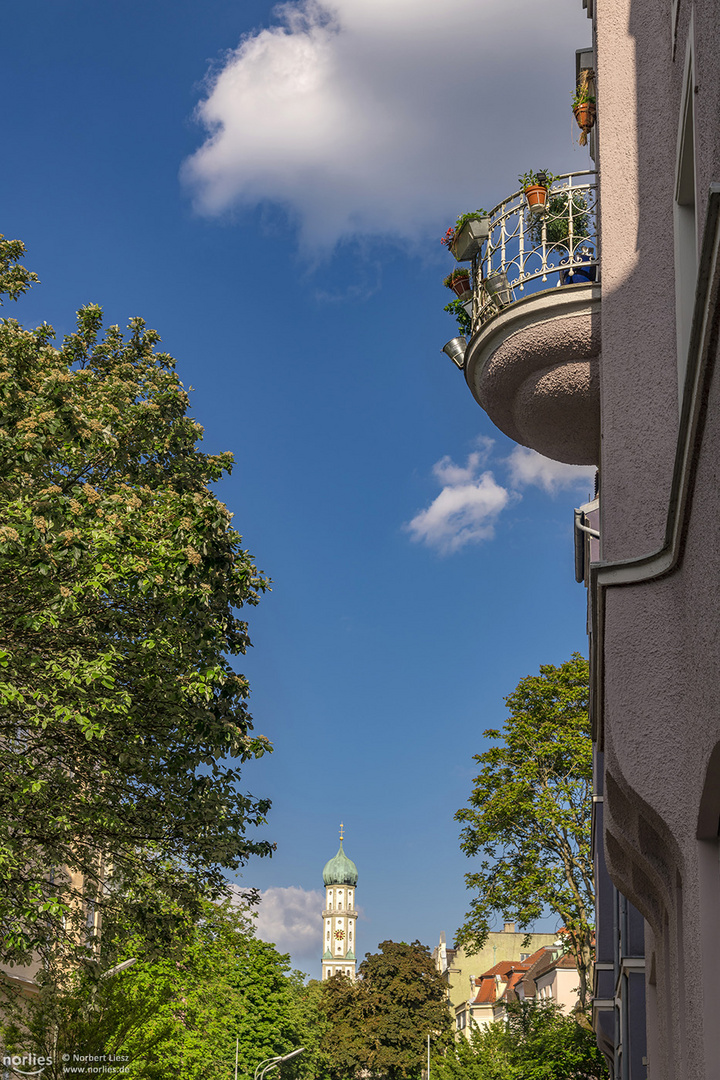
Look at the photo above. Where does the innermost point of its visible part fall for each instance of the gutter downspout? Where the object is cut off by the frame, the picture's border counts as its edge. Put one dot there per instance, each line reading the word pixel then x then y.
pixel 635 570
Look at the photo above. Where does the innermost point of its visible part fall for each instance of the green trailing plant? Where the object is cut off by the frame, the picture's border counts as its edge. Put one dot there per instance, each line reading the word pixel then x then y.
pixel 464 323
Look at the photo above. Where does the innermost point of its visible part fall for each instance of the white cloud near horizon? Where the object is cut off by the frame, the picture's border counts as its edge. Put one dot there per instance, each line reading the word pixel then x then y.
pixel 468 507
pixel 290 918
pixel 368 118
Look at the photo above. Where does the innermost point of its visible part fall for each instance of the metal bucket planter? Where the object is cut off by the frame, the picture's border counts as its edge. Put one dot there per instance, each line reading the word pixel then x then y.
pixel 536 197
pixel 455 349
pixel 470 238
pixel 497 288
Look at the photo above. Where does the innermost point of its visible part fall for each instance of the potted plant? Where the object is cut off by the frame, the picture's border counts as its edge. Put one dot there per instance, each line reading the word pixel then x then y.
pixel 459 282
pixel 584 108
pixel 466 238
pixel 497 288
pixel 535 185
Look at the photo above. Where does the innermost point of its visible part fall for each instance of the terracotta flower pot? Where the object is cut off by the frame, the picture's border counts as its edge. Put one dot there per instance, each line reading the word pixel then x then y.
pixel 461 287
pixel 585 115
pixel 536 198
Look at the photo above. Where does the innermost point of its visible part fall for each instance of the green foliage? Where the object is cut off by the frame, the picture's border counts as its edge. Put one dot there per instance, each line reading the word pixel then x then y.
pixel 561 208
pixel 464 322
pixel 458 274
pixel 179 1014
pixel 14 278
pixel 380 1023
pixel 582 96
pixel 449 238
pixel 535 1043
pixel 471 215
pixel 122 721
pixel 540 177
pixel 529 814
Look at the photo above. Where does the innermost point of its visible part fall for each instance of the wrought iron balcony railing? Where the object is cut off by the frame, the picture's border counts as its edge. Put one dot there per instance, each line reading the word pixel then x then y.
pixel 528 251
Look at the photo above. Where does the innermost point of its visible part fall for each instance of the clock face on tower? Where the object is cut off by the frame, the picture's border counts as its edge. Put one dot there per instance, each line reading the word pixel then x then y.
pixel 339 934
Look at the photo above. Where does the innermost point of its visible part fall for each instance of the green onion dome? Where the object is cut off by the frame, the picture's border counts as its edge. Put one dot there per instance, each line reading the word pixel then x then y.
pixel 340 870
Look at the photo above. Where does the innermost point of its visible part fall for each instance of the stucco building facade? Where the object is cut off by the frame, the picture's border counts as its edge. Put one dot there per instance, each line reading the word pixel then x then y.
pixel 618 366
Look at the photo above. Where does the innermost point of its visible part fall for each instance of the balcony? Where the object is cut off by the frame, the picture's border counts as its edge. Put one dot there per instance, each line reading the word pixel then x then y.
pixel 533 357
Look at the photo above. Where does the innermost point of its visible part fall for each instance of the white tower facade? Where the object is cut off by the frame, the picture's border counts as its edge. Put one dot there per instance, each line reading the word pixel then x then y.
pixel 339 916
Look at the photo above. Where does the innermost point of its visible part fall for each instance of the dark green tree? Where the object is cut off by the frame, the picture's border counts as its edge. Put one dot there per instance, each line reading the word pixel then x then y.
pixel 380 1023
pixel 122 720
pixel 529 815
pixel 536 1042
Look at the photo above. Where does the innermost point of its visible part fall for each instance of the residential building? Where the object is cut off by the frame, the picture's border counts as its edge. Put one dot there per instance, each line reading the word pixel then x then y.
pixel 460 969
pixel 616 366
pixel 546 975
pixel 553 976
pixel 339 916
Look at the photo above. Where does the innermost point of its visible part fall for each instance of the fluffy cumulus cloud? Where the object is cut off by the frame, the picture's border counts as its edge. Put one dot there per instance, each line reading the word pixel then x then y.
pixel 370 117
pixel 290 918
pixel 471 499
pixel 528 467
pixel 466 509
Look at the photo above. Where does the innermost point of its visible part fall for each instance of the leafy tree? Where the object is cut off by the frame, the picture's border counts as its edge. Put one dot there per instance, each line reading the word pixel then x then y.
pixel 178 1014
pixel 529 815
pixel 122 721
pixel 380 1023
pixel 536 1042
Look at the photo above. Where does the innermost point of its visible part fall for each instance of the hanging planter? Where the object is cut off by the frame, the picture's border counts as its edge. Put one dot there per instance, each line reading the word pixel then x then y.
pixel 583 103
pixel 535 186
pixel 470 238
pixel 455 349
pixel 585 114
pixel 465 240
pixel 497 288
pixel 459 282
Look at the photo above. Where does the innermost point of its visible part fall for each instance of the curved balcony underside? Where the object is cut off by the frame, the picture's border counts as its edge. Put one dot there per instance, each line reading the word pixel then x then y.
pixel 534 370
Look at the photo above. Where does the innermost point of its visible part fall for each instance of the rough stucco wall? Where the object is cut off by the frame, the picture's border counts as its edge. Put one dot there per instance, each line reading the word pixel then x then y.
pixel 662 638
pixel 638 376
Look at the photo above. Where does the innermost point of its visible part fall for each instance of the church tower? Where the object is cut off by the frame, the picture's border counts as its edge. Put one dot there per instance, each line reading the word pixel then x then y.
pixel 339 917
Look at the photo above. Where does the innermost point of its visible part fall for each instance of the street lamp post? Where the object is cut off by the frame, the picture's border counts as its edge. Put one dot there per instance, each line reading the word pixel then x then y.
pixel 270 1063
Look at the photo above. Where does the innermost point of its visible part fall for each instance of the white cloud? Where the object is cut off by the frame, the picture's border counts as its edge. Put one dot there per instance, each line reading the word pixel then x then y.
pixel 371 117
pixel 467 508
pixel 290 918
pixel 464 512
pixel 527 467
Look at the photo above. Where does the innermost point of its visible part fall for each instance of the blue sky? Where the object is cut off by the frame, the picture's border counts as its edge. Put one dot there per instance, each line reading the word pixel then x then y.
pixel 267 187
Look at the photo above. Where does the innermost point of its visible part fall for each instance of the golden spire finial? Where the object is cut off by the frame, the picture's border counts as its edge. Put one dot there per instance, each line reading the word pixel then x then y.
pixel 341 832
